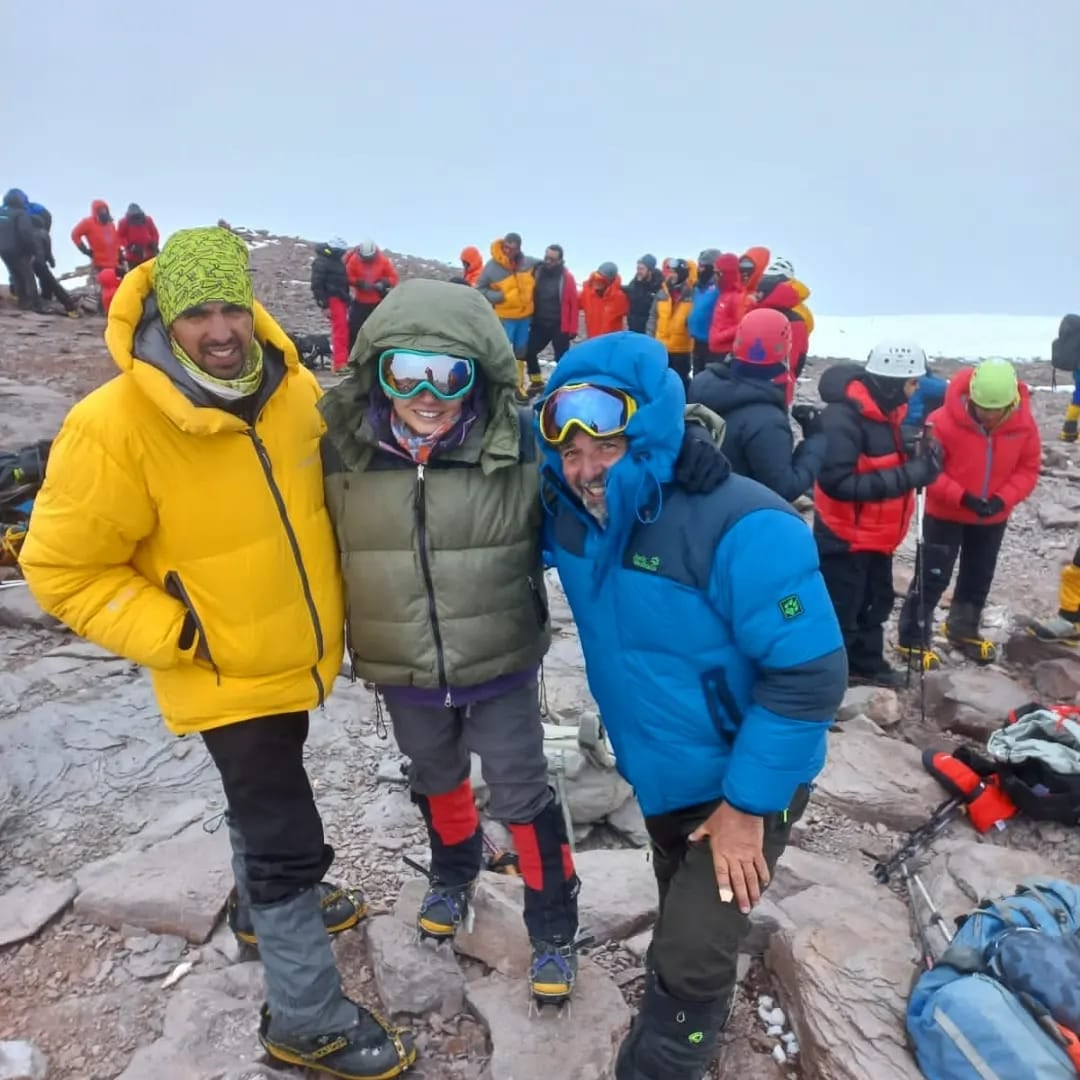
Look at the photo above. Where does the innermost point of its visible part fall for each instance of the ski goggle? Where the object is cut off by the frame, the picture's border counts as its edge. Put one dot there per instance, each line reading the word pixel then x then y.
pixel 599 411
pixel 404 373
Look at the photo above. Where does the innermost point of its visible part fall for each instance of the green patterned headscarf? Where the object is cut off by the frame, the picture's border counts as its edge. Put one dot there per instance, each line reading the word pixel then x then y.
pixel 202 266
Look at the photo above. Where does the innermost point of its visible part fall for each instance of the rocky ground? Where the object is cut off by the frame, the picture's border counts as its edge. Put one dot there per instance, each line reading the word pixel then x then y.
pixel 114 870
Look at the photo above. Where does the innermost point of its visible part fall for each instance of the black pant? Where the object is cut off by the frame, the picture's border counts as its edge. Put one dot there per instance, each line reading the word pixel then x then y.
pixel 358 315
pixel 702 356
pixel 696 942
pixel 51 289
pixel 679 362
pixel 541 335
pixel 978 547
pixel 23 283
pixel 860 585
pixel 271 803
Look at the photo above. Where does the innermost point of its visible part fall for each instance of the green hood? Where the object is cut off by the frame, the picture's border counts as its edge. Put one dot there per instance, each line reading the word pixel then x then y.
pixel 433 316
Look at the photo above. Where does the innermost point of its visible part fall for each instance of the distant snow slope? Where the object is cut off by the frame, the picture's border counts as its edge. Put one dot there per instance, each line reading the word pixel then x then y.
pixel 959 337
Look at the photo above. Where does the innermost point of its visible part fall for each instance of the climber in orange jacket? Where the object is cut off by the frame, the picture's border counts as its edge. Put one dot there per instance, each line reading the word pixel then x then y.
pixel 472 262
pixel 96 237
pixel 603 301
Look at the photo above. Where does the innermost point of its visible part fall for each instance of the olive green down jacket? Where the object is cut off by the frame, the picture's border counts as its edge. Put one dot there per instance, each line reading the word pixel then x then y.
pixel 442 563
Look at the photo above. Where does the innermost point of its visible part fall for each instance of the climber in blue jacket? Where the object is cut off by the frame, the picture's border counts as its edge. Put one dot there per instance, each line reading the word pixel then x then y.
pixel 713 651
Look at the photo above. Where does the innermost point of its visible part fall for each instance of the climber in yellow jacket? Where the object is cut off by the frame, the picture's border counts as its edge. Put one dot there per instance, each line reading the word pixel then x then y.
pixel 670 312
pixel 182 525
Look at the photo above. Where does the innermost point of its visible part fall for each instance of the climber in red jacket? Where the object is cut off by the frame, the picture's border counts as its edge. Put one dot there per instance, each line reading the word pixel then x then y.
pixel 731 305
pixel 138 236
pixel 993 454
pixel 372 276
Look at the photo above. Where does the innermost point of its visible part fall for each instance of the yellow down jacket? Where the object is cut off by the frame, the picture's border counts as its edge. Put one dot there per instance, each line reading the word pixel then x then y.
pixel 158 505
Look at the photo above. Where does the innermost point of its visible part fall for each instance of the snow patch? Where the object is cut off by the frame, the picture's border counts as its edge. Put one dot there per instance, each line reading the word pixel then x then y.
pixel 959 337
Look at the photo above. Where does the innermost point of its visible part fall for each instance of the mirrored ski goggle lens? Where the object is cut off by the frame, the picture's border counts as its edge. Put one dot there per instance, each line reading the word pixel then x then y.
pixel 405 374
pixel 595 409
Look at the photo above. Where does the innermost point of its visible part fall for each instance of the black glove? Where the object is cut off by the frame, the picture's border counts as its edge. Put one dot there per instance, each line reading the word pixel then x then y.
pixel 808 417
pixel 927 464
pixel 51 260
pixel 380 287
pixel 991 507
pixel 701 466
pixel 86 251
pixel 973 503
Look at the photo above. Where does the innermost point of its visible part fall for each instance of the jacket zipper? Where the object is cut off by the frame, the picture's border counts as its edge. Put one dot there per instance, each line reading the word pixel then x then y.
pixel 425 567
pixel 175 586
pixel 279 501
pixel 989 467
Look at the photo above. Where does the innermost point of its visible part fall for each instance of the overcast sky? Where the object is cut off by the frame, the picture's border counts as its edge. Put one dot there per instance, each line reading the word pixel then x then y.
pixel 910 157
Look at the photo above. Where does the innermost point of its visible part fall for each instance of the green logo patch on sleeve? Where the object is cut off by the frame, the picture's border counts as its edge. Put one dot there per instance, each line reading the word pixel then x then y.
pixel 791 607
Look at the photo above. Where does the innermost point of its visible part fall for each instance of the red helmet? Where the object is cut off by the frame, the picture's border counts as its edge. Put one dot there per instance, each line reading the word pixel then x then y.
pixel 763 337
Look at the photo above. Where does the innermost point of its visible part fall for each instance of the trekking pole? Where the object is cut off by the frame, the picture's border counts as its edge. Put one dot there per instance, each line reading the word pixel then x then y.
pixel 918 839
pixel 935 915
pixel 920 573
pixel 925 948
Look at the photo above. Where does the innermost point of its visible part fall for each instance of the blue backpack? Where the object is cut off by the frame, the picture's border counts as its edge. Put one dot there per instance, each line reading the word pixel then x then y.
pixel 988 1008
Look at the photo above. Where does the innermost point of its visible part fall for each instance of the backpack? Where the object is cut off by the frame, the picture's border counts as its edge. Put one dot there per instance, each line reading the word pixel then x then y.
pixel 21 474
pixel 1037 756
pixel 993 1006
pixel 1065 351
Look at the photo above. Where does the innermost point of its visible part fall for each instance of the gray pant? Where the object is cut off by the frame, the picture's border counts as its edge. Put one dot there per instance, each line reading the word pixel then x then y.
pixel 507 734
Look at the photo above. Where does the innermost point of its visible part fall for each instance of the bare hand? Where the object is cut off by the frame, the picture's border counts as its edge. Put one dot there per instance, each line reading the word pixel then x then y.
pixel 736 841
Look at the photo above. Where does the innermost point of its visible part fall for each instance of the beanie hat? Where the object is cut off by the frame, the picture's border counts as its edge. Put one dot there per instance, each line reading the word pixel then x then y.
pixel 649 261
pixel 762 345
pixel 608 270
pixel 994 385
pixel 199 266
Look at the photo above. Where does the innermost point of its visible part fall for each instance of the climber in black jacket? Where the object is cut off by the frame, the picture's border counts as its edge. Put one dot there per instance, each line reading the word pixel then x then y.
pixel 750 395
pixel 641 292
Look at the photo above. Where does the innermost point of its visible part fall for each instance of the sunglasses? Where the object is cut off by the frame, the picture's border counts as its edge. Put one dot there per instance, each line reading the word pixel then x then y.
pixel 597 410
pixel 404 373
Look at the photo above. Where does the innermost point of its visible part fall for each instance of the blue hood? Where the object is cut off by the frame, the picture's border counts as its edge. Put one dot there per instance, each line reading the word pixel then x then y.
pixel 639 365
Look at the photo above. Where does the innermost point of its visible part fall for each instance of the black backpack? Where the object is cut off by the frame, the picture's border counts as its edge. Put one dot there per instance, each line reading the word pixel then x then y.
pixel 1065 352
pixel 21 473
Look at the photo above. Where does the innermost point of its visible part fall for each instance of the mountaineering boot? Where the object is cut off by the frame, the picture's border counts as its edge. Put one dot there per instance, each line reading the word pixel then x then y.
pixel 552 972
pixel 535 388
pixel 443 909
pixel 307 1019
pixel 670 1039
pixel 962 631
pixel 457 853
pixel 521 393
pixel 1069 428
pixel 880 675
pixel 920 656
pixel 367 1049
pixel 551 902
pixel 1055 628
pixel 341 910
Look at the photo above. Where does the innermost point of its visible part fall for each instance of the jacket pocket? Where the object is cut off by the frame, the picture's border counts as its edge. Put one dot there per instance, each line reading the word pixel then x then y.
pixel 720 701
pixel 539 603
pixel 174 586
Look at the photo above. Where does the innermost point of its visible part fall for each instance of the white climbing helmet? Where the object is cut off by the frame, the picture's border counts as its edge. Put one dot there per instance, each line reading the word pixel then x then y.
pixel 366 249
pixel 780 268
pixel 897 360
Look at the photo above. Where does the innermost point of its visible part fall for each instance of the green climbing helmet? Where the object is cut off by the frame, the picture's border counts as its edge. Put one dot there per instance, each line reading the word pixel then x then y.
pixel 994 385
